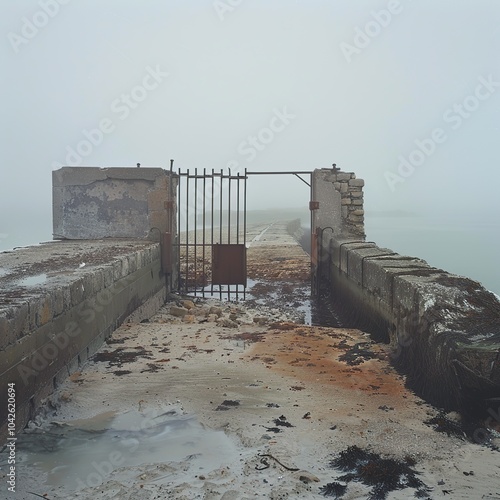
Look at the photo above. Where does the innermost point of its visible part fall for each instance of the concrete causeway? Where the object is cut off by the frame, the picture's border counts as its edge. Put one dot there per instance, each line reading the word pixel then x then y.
pixel 234 401
pixel 93 339
pixel 59 302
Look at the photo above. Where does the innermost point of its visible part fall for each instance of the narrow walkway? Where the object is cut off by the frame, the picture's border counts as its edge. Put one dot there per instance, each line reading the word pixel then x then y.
pixel 274 254
pixel 260 235
pixel 230 402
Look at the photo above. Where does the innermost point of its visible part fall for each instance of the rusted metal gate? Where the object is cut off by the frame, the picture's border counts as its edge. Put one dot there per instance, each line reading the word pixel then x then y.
pixel 211 246
pixel 212 233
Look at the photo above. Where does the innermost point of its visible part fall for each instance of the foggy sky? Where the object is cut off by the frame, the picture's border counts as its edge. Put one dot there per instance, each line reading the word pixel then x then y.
pixel 256 84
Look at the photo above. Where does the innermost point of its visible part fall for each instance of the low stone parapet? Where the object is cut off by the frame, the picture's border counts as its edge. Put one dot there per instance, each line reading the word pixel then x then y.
pixel 59 303
pixel 444 329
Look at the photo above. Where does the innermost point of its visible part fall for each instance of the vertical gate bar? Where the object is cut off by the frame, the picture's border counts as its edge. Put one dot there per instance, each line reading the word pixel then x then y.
pixel 229 223
pixel 312 195
pixel 195 229
pixel 220 220
pixel 212 222
pixel 220 208
pixel 187 233
pixel 179 188
pixel 245 220
pixel 204 221
pixel 229 210
pixel 238 210
pixel 237 220
pixel 245 209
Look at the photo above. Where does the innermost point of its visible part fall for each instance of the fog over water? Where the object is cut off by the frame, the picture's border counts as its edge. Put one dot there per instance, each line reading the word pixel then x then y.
pixel 404 93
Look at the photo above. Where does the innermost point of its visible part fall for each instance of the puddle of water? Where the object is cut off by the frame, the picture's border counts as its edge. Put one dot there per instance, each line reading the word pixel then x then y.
pixel 318 312
pixel 83 453
pixel 299 297
pixel 305 309
pixel 33 280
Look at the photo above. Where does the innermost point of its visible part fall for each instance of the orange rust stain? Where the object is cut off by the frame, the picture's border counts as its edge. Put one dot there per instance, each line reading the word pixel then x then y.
pixel 311 354
pixel 268 263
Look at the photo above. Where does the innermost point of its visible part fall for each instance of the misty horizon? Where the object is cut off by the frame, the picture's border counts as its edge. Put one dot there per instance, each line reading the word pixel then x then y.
pixel 404 94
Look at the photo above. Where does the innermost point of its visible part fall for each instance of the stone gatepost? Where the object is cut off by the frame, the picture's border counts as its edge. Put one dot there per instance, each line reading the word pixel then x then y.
pixel 340 198
pixel 337 213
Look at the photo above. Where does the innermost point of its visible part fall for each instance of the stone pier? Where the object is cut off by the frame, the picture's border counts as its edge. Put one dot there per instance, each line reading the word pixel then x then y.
pixel 60 301
pixel 442 327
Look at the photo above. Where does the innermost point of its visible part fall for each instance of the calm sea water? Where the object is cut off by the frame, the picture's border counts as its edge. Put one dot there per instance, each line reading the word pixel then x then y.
pixel 467 245
pixel 26 229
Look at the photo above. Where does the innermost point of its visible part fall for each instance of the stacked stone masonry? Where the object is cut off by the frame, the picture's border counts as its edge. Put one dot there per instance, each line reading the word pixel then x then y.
pixel 351 198
pixel 442 326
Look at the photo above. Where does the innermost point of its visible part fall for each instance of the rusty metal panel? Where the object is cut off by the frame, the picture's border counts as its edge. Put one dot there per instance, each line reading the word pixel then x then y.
pixel 314 248
pixel 166 252
pixel 229 264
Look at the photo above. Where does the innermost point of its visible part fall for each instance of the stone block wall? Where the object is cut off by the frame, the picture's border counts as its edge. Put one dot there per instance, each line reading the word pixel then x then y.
pixel 340 197
pixel 48 332
pixel 442 327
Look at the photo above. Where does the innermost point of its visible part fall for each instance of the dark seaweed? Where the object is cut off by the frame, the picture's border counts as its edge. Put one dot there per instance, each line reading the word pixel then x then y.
pixel 334 489
pixel 120 356
pixel 382 474
pixel 226 404
pixel 441 423
pixel 282 421
pixel 357 354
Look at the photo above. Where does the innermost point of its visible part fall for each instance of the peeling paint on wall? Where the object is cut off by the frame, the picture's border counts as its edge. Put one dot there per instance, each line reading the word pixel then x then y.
pixel 91 202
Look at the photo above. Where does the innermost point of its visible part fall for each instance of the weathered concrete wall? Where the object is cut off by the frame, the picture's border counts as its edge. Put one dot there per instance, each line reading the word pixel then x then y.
pixel 444 329
pixel 48 330
pixel 92 202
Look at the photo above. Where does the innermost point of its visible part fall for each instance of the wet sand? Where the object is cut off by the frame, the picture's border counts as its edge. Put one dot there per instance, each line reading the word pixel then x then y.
pixel 193 406
pixel 240 401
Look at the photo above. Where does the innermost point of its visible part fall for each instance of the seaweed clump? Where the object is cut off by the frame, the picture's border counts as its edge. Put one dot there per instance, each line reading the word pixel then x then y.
pixel 471 430
pixel 358 354
pixel 441 423
pixel 383 475
pixel 282 421
pixel 334 489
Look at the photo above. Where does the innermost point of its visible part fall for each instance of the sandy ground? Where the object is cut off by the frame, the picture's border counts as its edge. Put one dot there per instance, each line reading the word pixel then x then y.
pixel 183 408
pixel 214 400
